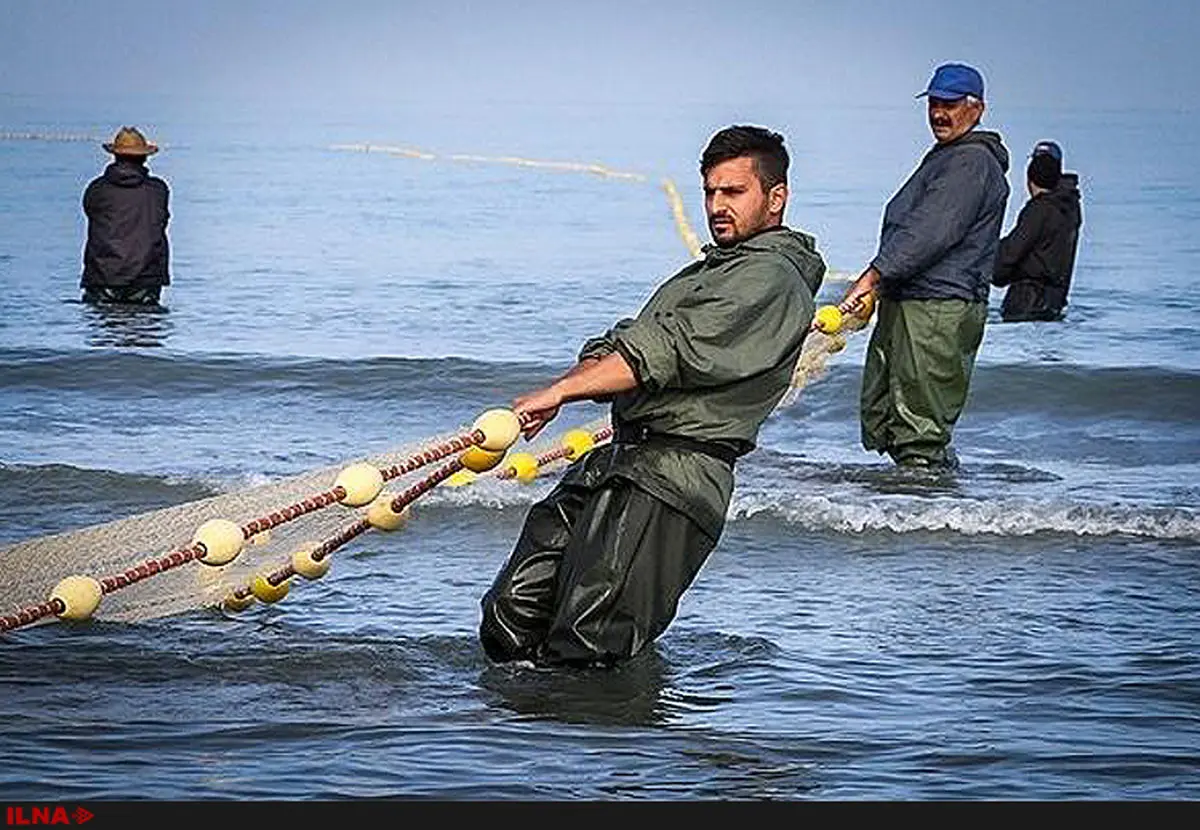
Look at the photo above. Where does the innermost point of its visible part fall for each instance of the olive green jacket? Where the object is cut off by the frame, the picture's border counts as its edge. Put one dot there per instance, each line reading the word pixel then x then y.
pixel 713 351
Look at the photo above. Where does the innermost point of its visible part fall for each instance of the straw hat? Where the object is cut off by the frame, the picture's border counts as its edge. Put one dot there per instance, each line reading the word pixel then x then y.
pixel 129 141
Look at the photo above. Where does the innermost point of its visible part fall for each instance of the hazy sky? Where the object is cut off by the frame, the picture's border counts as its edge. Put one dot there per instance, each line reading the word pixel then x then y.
pixel 1070 52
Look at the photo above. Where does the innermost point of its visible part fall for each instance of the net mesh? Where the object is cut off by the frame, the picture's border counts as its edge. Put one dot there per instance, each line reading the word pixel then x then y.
pixel 33 567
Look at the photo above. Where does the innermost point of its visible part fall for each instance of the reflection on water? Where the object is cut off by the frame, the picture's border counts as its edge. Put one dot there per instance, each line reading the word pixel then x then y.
pixel 127 325
pixel 629 694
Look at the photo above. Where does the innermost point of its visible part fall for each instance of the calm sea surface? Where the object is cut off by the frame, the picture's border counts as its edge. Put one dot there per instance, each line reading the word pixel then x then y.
pixel 1028 628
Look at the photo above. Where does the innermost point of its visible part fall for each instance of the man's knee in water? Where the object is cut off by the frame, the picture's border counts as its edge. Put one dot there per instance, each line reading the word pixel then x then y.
pixel 122 296
pixel 506 632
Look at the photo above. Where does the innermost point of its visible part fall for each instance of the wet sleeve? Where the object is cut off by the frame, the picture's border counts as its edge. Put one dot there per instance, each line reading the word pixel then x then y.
pixel 711 338
pixel 1019 242
pixel 604 344
pixel 948 207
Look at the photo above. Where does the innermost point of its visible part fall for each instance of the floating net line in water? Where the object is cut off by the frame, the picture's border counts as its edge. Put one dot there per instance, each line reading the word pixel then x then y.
pixel 11 135
pixel 821 344
pixel 518 161
pixel 230 550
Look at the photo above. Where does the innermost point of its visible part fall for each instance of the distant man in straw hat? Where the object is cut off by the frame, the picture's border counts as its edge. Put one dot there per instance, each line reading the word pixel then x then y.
pixel 126 256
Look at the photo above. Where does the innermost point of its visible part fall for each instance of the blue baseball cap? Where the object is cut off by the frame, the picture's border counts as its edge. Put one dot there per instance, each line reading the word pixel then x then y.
pixel 952 81
pixel 1049 148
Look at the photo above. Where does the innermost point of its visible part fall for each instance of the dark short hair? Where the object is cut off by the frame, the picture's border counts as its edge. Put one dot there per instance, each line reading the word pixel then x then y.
pixel 762 145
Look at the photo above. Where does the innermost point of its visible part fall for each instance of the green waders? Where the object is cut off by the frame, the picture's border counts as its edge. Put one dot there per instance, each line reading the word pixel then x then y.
pixel 916 377
pixel 596 575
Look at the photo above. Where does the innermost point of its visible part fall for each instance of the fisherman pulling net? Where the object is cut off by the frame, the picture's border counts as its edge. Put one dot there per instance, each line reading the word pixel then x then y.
pixel 691 379
pixel 104 571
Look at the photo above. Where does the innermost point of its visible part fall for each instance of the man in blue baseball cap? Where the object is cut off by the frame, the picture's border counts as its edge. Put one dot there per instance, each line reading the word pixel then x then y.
pixel 932 274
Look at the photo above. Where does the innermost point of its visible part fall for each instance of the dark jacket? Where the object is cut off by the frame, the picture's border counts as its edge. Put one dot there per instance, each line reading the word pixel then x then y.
pixel 714 350
pixel 941 229
pixel 1037 257
pixel 127 215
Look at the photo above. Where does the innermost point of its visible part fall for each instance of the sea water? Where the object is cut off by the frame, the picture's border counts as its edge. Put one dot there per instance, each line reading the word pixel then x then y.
pixel 1025 628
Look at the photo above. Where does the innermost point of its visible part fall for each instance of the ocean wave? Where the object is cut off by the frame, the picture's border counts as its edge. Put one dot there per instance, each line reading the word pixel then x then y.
pixel 164 375
pixel 896 514
pixel 969 517
pixel 57 483
pixel 790 504
pixel 1149 393
pixel 1057 392
pixel 1153 393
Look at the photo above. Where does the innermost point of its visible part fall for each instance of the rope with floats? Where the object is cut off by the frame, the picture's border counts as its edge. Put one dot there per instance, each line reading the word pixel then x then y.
pixel 31 136
pixel 218 542
pixel 517 161
pixel 389 514
pixel 481 449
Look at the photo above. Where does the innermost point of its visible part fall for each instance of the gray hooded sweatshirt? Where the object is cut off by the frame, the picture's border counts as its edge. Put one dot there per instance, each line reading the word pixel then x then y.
pixel 941 230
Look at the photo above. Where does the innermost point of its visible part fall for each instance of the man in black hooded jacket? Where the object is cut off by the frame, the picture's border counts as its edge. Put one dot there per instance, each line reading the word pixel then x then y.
pixel 1037 258
pixel 125 259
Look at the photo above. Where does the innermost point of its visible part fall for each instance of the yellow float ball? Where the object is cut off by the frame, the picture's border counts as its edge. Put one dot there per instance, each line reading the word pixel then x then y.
pixel 461 479
pixel 382 516
pixel 577 443
pixel 235 603
pixel 524 467
pixel 80 596
pixel 829 319
pixel 308 567
pixel 362 483
pixel 266 592
pixel 500 428
pixel 479 460
pixel 222 540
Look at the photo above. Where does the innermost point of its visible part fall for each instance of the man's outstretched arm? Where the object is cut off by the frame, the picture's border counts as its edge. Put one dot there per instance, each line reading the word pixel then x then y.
pixel 589 379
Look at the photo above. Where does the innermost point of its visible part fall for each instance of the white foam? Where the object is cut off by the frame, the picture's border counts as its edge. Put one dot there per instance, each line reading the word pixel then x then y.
pixel 894 513
pixel 1000 517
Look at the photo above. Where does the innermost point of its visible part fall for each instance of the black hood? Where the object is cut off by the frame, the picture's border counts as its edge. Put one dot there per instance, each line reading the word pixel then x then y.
pixel 1067 187
pixel 1065 195
pixel 126 173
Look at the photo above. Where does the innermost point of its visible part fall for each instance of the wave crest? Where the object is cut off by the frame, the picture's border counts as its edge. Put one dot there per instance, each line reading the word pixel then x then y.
pixel 1000 517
